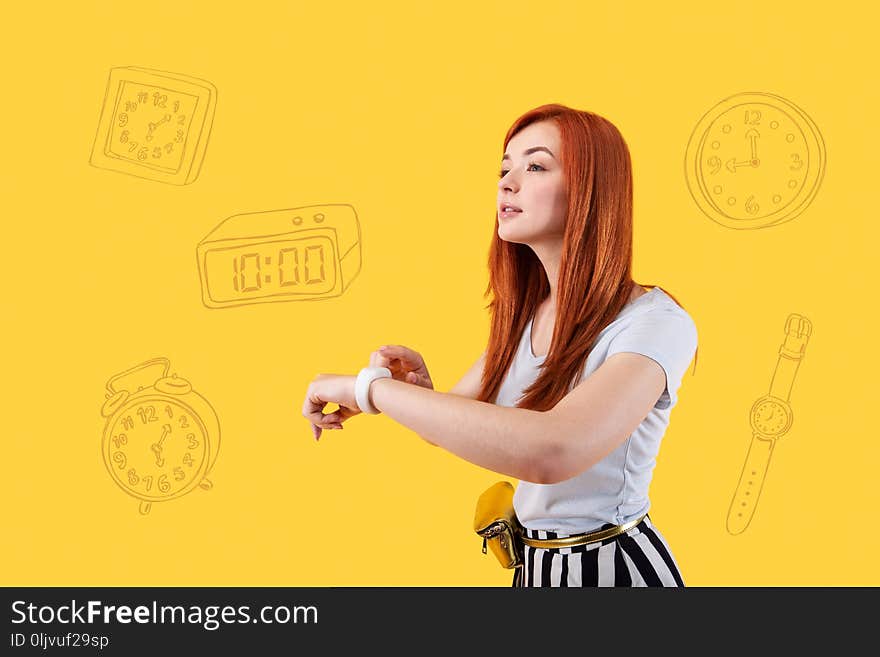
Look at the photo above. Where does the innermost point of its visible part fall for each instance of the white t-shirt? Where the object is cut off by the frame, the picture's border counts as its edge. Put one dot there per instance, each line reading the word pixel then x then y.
pixel 615 490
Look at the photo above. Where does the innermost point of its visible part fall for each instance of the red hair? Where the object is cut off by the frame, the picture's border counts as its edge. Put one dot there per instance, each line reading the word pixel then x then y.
pixel 595 273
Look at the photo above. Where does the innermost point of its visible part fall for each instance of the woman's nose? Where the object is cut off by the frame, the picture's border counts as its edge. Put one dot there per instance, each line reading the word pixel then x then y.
pixel 507 183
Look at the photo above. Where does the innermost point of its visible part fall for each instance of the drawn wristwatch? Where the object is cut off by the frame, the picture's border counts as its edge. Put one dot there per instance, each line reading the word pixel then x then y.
pixel 770 418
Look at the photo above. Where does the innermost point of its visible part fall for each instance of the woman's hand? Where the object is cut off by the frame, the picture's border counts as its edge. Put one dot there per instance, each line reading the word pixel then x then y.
pixel 405 364
pixel 329 389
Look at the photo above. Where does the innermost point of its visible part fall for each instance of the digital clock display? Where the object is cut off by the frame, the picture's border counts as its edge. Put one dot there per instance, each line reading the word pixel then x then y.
pixel 278 268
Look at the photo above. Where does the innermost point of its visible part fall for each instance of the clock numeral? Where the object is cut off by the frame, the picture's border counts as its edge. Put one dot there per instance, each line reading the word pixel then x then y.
pixel 169 411
pixel 715 163
pixel 148 414
pixel 149 482
pixel 179 474
pixel 133 479
pixel 796 162
pixel 245 272
pixel 179 137
pixel 159 100
pixel 130 106
pixel 157 151
pixel 188 459
pixel 163 484
pixel 181 120
pixel 751 205
pixel 143 96
pixel 754 120
pixel 123 137
pixel 169 147
pixel 123 120
pixel 132 147
pixel 142 154
pixel 183 423
pixel 176 106
pixel 192 443
pixel 294 265
pixel 314 262
pixel 120 440
pixel 119 457
pixel 127 422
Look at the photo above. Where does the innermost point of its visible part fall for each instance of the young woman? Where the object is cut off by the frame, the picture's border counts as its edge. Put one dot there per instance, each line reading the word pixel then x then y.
pixel 574 390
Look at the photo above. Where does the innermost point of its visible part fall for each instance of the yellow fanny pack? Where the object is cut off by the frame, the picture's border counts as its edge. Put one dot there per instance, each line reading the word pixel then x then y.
pixel 496 522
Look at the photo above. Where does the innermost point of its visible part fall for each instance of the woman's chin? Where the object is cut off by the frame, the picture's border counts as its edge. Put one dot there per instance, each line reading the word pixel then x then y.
pixel 515 236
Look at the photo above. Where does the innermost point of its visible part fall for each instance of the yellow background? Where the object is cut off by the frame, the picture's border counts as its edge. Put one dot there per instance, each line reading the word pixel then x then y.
pixel 400 109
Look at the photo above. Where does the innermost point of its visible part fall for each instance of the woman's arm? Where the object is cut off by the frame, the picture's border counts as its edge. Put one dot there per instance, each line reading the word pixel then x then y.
pixel 542 447
pixel 510 441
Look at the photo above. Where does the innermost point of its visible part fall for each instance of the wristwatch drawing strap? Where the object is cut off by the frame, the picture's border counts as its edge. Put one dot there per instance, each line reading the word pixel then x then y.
pixel 770 418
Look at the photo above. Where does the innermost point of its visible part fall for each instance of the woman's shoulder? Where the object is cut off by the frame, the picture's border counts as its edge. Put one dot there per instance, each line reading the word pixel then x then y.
pixel 662 314
pixel 660 301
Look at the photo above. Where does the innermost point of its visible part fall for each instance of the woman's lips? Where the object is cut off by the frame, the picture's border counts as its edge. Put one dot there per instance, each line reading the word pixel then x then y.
pixel 506 214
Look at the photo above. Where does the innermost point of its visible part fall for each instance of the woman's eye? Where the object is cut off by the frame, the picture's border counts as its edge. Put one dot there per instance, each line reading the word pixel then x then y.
pixel 503 172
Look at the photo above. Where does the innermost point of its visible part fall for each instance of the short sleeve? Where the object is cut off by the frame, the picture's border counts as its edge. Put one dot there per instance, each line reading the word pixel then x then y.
pixel 668 336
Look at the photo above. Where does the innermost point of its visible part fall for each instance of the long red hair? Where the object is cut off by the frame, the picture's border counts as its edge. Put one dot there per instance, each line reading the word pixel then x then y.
pixel 595 274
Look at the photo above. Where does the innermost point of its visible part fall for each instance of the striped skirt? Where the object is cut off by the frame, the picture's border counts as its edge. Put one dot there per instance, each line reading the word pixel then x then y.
pixel 640 557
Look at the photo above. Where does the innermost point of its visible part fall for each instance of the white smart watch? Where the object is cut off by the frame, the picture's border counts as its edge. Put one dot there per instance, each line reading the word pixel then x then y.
pixel 362 387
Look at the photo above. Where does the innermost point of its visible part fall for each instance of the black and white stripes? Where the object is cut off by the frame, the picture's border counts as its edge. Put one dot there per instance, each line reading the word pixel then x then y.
pixel 640 557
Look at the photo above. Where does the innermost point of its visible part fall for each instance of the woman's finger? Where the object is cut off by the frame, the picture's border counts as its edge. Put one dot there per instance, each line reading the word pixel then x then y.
pixel 378 359
pixel 313 407
pixel 407 356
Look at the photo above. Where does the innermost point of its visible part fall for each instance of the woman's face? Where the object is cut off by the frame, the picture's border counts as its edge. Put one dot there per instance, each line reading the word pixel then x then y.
pixel 532 180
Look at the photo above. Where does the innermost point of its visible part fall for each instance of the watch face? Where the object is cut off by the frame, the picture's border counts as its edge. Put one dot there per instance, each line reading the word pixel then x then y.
pixel 770 417
pixel 150 125
pixel 156 448
pixel 754 160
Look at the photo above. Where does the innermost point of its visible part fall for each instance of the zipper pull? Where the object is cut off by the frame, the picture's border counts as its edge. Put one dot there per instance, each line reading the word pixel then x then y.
pixel 484 545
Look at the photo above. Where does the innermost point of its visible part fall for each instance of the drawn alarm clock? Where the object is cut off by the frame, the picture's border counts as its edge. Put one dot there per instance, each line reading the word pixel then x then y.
pixel 161 437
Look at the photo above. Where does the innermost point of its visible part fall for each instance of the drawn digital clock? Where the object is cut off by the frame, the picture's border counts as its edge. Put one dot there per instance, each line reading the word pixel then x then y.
pixel 154 124
pixel 296 254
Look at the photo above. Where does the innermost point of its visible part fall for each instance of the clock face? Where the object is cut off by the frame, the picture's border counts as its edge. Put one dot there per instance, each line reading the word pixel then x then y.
pixel 279 269
pixel 754 160
pixel 770 417
pixel 150 125
pixel 156 448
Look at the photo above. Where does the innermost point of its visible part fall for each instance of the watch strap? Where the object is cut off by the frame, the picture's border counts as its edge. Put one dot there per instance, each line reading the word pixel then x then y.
pixel 797 333
pixel 362 387
pixel 751 480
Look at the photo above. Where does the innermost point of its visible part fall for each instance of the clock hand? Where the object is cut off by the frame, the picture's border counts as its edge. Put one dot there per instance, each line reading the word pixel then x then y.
pixel 752 135
pixel 157 447
pixel 732 164
pixel 152 126
pixel 157 450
